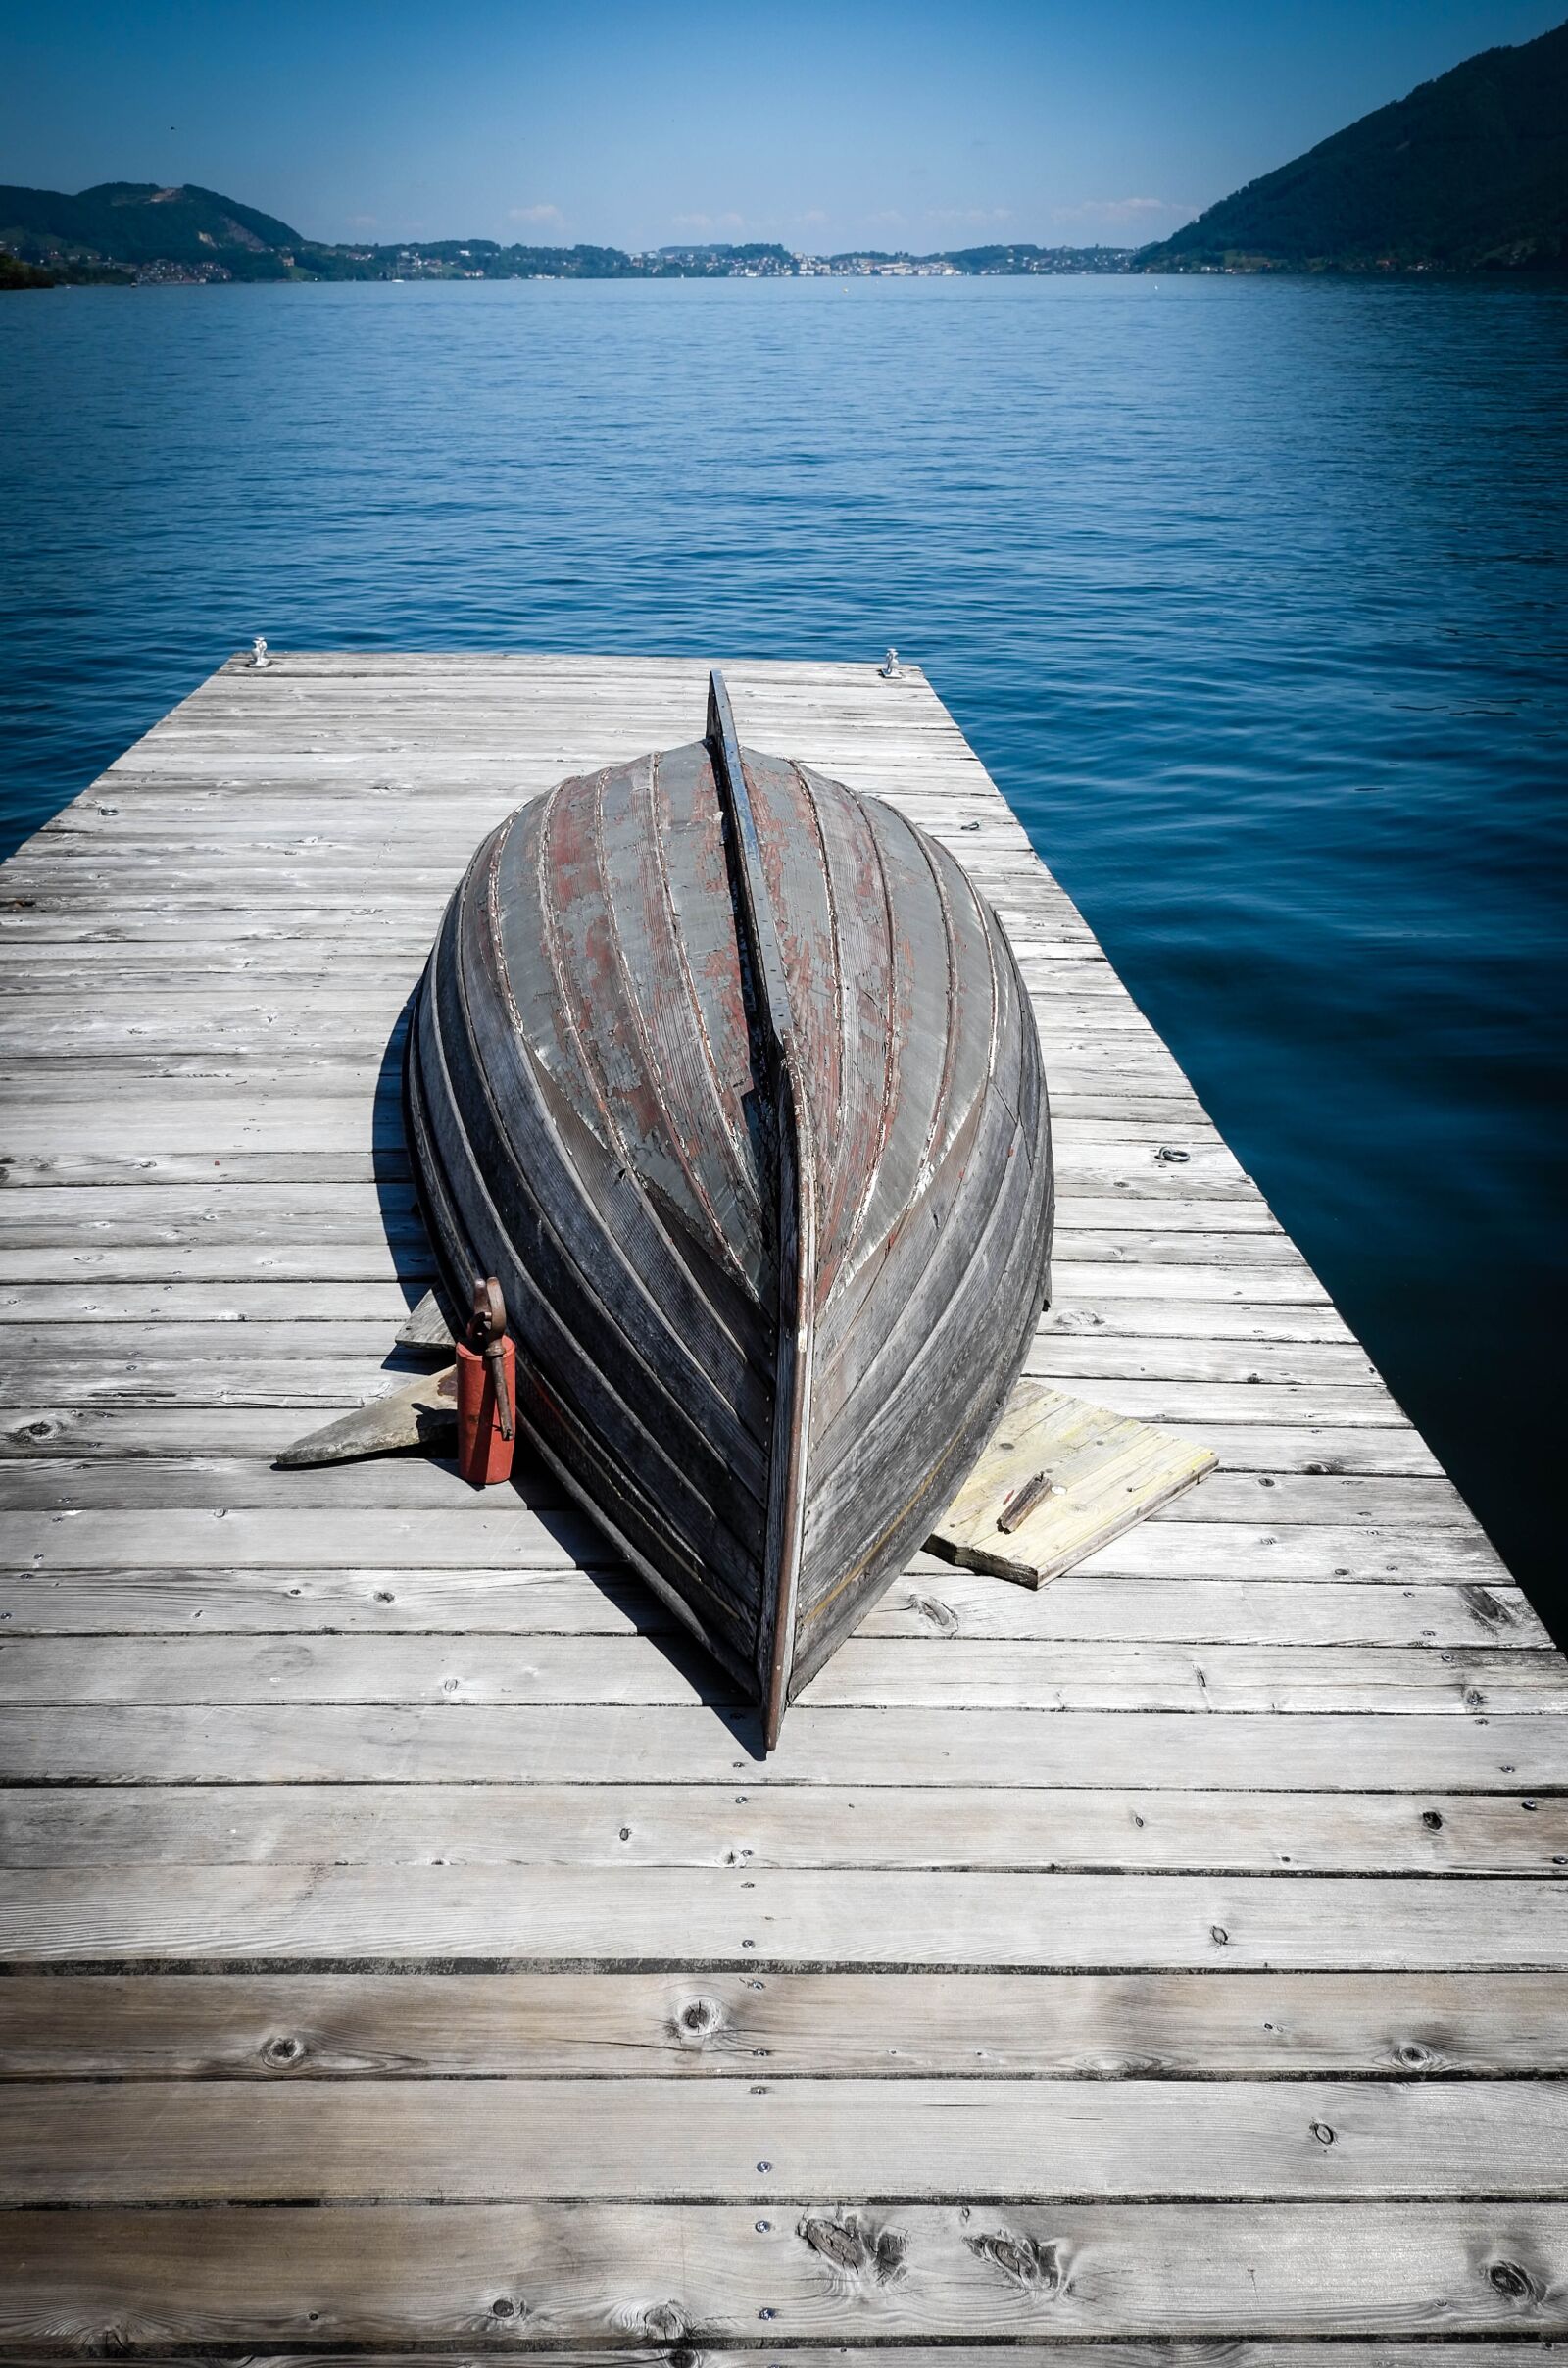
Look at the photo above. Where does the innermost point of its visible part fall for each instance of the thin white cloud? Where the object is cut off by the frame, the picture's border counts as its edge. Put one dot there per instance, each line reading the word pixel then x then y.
pixel 542 217
pixel 1116 209
pixel 706 224
pixel 969 218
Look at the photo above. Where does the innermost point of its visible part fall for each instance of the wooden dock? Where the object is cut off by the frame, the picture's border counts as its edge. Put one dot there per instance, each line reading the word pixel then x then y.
pixel 1177 1954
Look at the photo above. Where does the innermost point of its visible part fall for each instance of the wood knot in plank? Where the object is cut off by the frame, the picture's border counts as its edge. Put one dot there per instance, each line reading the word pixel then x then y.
pixel 1514 2283
pixel 698 2020
pixel 1034 2266
pixel 858 2246
pixel 664 2322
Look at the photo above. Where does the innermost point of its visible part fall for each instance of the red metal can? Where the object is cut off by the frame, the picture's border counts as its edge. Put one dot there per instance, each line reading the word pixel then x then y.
pixel 483 1454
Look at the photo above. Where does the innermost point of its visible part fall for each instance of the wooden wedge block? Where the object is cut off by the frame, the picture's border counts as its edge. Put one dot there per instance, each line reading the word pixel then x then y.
pixel 423 1415
pixel 427 1327
pixel 1058 1479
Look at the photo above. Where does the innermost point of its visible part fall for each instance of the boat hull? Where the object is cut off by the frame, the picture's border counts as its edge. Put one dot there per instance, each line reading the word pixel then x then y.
pixel 728 1075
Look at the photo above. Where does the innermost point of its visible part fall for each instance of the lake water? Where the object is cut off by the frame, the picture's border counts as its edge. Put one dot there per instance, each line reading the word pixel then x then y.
pixel 1250 593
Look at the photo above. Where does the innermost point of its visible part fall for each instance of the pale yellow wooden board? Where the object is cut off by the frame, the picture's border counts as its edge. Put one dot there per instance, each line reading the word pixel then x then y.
pixel 1106 1471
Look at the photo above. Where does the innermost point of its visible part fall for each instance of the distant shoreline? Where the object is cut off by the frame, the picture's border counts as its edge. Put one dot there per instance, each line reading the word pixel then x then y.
pixel 1544 275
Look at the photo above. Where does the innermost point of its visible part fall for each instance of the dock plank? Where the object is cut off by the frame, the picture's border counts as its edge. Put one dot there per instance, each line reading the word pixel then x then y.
pixel 1182 1750
pixel 611 2275
pixel 769 2141
pixel 958 1827
pixel 1057 1674
pixel 704 2023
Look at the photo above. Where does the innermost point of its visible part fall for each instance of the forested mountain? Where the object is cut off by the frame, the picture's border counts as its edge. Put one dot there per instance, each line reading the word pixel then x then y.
pixel 135 224
pixel 1470 173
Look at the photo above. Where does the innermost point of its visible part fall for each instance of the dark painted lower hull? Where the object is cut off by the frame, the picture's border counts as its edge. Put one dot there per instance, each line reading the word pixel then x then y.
pixel 594 1118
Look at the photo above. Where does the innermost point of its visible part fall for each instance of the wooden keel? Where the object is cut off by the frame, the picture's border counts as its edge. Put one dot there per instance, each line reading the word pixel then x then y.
pixel 795 1217
pixel 797 1335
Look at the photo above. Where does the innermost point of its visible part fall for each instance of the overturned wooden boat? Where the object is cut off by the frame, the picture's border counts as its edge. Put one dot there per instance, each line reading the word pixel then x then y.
pixel 728 1075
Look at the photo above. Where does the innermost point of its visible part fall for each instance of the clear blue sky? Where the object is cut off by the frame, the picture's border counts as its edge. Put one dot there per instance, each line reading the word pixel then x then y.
pixel 638 122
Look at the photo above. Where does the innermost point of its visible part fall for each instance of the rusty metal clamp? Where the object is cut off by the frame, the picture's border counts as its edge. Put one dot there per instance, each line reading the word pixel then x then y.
pixel 487 1332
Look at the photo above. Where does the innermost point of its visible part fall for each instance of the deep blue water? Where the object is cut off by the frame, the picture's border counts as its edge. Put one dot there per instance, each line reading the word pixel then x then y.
pixel 1250 593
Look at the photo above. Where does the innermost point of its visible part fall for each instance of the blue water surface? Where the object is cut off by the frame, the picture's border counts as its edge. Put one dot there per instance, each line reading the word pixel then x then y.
pixel 1250 594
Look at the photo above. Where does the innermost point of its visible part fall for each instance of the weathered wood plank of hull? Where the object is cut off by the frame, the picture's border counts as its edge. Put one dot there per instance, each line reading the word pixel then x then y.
pixel 730 1077
pixel 606 1444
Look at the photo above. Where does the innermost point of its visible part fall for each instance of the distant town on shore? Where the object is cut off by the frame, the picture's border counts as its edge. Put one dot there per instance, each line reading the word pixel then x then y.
pixel 1468 173
pixel 202 236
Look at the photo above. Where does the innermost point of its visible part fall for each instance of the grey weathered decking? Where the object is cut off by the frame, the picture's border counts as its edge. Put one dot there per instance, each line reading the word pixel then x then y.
pixel 1176 1953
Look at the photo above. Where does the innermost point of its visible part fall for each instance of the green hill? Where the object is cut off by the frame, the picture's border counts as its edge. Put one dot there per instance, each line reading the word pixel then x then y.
pixel 1470 173
pixel 14 275
pixel 132 224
